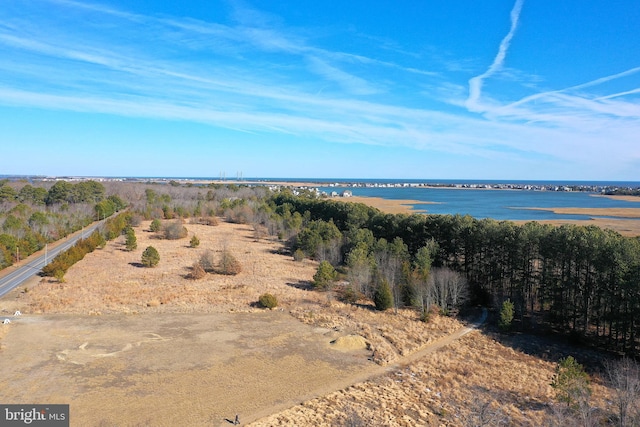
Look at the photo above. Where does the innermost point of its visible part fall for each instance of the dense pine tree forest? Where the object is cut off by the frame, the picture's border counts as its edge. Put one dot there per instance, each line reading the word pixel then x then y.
pixel 580 280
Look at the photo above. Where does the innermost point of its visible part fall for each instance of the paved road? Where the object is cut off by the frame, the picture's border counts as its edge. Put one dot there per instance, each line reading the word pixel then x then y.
pixel 33 264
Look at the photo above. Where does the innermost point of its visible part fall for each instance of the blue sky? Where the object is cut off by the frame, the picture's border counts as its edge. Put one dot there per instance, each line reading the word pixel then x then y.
pixel 517 89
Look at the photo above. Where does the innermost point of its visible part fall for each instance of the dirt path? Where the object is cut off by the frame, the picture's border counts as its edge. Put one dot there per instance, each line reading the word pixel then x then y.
pixel 367 374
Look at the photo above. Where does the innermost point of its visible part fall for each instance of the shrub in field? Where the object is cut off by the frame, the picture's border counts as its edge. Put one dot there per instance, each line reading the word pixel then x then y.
pixel 156 225
pixel 229 264
pixel 383 298
pixel 135 220
pixel 268 301
pixel 197 272
pixel 325 275
pixel 571 383
pixel 209 220
pixel 348 295
pixel 59 275
pixel 150 257
pixel 175 231
pixel 298 255
pixel 195 242
pixel 207 262
pixel 131 242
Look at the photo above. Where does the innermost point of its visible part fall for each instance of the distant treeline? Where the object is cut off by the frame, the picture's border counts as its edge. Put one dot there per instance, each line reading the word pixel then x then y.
pixel 113 228
pixel 31 216
pixel 580 280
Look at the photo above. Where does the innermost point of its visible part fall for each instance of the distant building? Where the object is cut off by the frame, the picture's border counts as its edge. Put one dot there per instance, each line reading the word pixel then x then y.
pixel 347 193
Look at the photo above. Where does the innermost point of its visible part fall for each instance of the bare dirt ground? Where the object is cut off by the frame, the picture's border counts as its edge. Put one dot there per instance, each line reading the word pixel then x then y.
pixel 132 346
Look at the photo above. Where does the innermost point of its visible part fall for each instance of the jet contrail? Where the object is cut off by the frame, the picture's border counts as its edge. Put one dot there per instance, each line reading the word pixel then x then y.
pixel 475 84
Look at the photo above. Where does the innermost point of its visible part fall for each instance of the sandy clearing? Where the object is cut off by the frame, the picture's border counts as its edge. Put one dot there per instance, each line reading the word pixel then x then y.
pixel 168 370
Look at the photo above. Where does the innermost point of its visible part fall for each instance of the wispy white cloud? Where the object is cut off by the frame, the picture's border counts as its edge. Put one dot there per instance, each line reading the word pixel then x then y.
pixel 256 75
pixel 475 83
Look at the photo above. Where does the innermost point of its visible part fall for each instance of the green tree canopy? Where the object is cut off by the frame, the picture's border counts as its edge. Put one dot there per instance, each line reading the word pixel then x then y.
pixel 325 275
pixel 150 257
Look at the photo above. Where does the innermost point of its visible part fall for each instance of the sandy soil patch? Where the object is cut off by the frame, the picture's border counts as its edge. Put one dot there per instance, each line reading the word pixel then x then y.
pixel 169 370
pixel 625 198
pixel 387 205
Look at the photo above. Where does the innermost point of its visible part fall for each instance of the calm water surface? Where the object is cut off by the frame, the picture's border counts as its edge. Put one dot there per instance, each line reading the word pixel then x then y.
pixel 496 204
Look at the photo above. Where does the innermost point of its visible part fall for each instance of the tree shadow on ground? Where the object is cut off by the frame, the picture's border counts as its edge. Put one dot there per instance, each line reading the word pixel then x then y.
pixel 304 285
pixel 137 264
pixel 547 345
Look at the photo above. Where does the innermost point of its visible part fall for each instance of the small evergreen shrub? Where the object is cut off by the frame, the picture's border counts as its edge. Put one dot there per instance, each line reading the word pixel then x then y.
pixel 131 241
pixel 506 316
pixel 348 295
pixel 156 225
pixel 298 255
pixel 325 275
pixel 383 299
pixel 571 382
pixel 150 257
pixel 268 301
pixel 195 242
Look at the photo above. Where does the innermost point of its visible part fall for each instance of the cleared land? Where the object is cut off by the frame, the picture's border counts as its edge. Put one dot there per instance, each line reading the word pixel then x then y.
pixel 128 346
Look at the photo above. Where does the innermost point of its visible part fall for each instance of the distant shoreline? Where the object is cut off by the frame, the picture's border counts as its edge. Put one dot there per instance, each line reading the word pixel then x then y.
pixel 598 186
pixel 622 220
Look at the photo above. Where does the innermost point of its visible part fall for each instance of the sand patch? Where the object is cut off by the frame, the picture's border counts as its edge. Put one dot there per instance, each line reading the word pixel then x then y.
pixel 349 343
pixel 387 205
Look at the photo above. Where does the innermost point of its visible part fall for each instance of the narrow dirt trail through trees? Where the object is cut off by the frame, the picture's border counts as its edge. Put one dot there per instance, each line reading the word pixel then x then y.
pixel 368 374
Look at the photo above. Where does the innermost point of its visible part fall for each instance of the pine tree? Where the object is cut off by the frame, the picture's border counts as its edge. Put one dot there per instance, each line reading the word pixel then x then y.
pixel 571 382
pixel 506 315
pixel 383 298
pixel 324 276
pixel 131 242
pixel 150 257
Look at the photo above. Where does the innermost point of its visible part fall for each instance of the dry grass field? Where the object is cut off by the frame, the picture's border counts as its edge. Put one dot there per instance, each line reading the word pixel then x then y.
pixel 126 345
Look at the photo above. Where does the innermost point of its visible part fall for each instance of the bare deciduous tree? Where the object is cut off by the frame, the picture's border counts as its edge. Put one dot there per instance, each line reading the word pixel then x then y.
pixel 484 413
pixel 449 288
pixel 624 377
pixel 207 261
